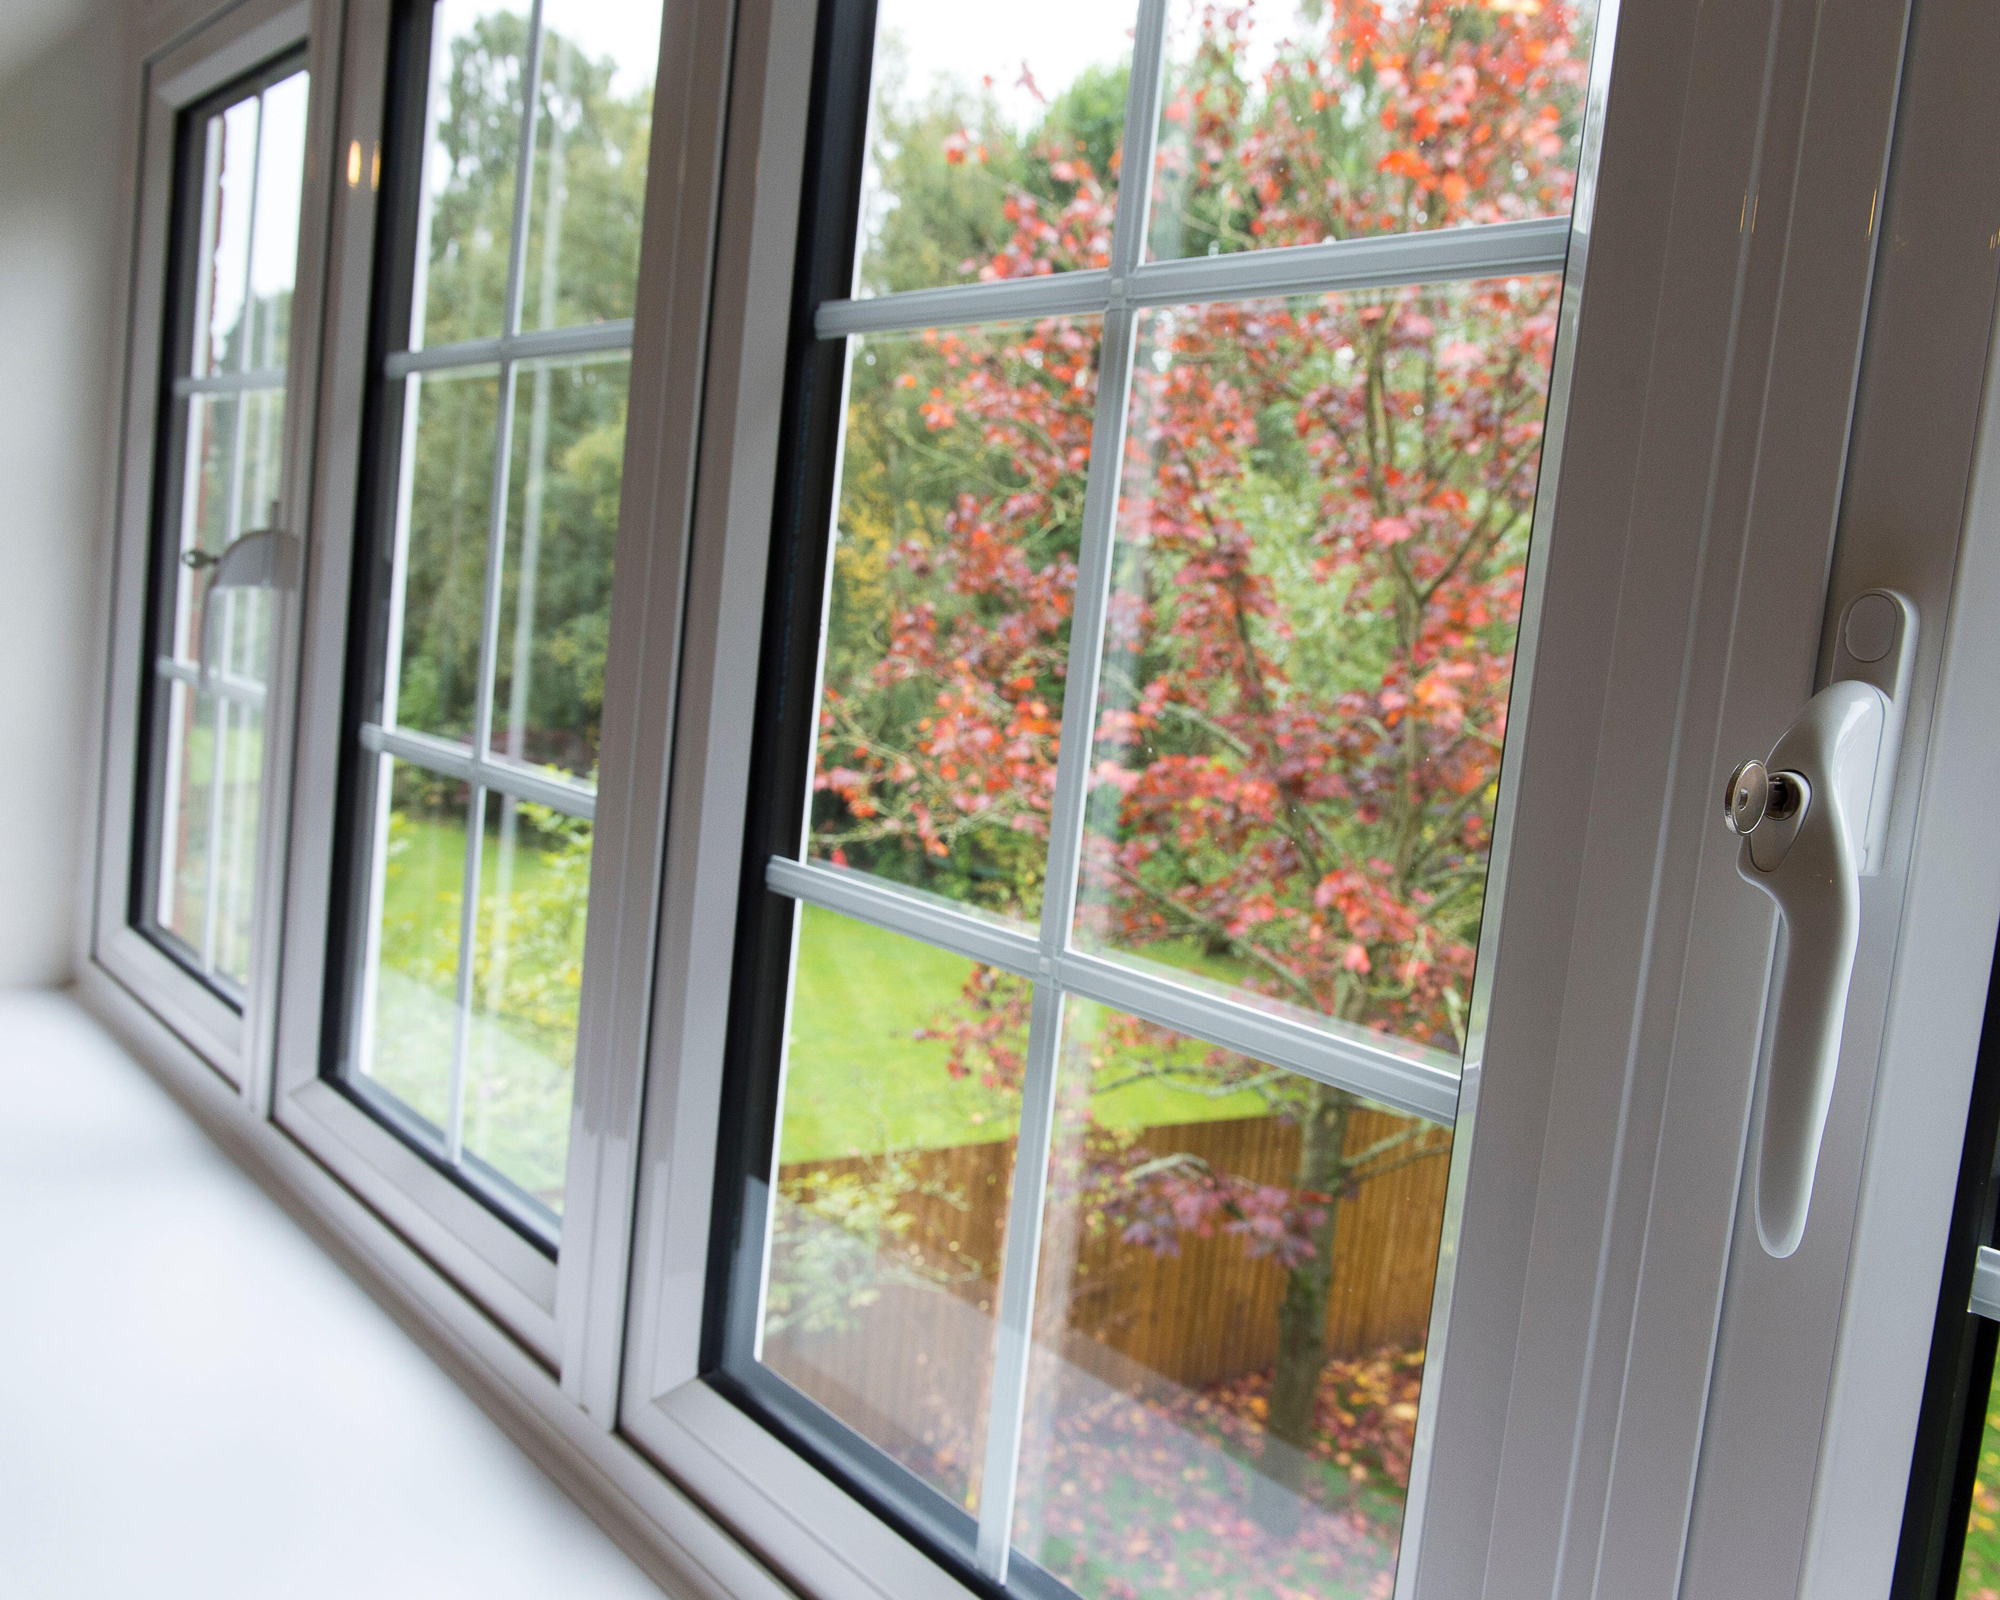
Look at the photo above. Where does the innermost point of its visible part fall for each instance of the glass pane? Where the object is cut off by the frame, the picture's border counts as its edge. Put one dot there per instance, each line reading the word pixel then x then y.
pixel 223 250
pixel 1228 1340
pixel 409 1001
pixel 1317 582
pixel 960 504
pixel 555 595
pixel 187 815
pixel 1979 1566
pixel 592 135
pixel 210 494
pixel 527 973
pixel 275 249
pixel 1296 122
pixel 479 51
pixel 993 140
pixel 895 1163
pixel 448 484
pixel 241 764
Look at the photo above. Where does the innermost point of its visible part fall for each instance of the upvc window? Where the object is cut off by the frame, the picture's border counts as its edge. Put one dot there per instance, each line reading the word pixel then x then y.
pixel 221 463
pixel 1136 675
pixel 516 169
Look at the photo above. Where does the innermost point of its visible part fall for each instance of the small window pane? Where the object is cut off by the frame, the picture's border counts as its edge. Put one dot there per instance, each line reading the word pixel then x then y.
pixel 1979 1566
pixel 449 483
pixel 1235 1284
pixel 223 268
pixel 894 1167
pixel 993 142
pixel 592 136
pixel 214 763
pixel 274 252
pixel 527 974
pixel 210 493
pixel 410 993
pixel 1316 591
pixel 1293 123
pixel 562 527
pixel 960 509
pixel 479 53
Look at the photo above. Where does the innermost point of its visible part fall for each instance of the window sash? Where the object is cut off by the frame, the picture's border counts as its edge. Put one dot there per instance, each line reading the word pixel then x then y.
pixel 1408 1077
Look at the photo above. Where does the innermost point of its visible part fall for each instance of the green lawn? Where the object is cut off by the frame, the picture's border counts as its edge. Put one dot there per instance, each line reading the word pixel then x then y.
pixel 859 1080
pixel 1979 1572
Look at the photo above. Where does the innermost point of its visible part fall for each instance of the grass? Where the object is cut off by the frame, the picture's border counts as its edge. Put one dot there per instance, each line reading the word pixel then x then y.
pixel 1979 1571
pixel 859 1079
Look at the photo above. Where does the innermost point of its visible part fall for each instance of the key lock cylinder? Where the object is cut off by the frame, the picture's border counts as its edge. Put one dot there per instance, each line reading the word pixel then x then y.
pixel 1813 817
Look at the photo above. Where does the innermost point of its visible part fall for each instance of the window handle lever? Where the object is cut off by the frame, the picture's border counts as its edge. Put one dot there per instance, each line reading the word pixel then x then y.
pixel 265 558
pixel 1812 819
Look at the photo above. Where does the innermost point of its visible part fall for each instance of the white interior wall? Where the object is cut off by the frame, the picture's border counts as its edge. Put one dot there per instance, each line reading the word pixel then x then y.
pixel 62 125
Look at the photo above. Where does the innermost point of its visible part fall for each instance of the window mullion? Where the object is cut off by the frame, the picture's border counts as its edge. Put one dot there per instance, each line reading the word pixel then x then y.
pixel 1015 1319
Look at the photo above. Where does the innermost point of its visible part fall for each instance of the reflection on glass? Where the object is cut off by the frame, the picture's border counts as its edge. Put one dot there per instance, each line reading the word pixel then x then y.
pixel 223 268
pixel 1979 1566
pixel 993 140
pixel 1316 590
pixel 895 1162
pixel 275 249
pixel 555 584
pixel 409 1008
pixel 448 488
pixel 1293 122
pixel 210 497
pixel 472 151
pixel 213 766
pixel 592 132
pixel 947 638
pixel 527 973
pixel 1228 1339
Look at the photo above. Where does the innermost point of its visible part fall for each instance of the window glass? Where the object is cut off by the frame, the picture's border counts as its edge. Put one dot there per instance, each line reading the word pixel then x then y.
pixel 1294 122
pixel 485 609
pixel 1979 1566
pixel 236 222
pixel 994 140
pixel 961 501
pixel 1150 718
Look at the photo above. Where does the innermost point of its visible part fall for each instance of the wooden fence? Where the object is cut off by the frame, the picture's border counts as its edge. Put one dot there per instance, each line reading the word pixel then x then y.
pixel 911 1365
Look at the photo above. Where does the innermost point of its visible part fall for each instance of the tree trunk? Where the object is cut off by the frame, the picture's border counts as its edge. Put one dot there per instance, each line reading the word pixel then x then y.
pixel 1302 1318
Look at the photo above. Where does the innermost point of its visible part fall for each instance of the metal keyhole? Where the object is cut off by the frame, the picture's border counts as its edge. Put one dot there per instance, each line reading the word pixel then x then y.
pixel 1752 794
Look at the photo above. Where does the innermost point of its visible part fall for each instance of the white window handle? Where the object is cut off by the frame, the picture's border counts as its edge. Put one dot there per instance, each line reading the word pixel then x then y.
pixel 1812 819
pixel 264 559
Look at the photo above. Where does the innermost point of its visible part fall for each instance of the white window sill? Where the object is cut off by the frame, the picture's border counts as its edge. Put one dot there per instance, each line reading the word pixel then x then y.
pixel 199 1401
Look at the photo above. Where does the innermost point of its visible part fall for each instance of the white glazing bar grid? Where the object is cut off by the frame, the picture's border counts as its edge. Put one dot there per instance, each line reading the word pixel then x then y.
pixel 1014 1330
pixel 1444 255
pixel 1411 1079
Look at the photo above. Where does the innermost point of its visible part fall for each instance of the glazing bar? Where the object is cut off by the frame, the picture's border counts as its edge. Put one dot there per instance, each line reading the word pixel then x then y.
pixel 538 344
pixel 536 784
pixel 1444 255
pixel 1410 1078
pixel 1016 1308
pixel 257 380
pixel 223 685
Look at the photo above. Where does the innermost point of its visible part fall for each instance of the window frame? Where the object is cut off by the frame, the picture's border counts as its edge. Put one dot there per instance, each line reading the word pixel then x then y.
pixel 1571 969
pixel 825 317
pixel 620 1411
pixel 176 78
pixel 557 1301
